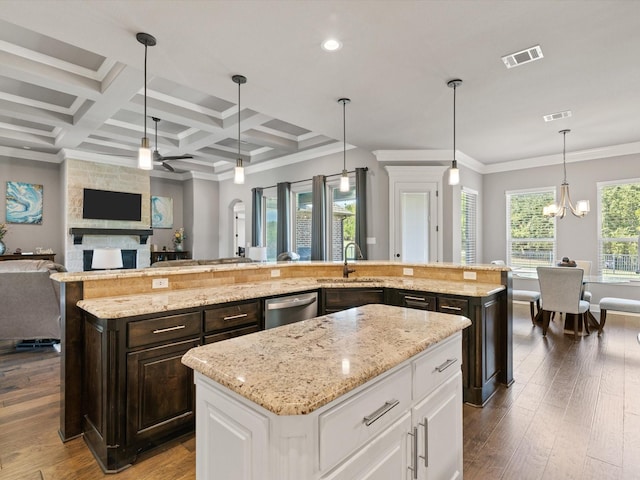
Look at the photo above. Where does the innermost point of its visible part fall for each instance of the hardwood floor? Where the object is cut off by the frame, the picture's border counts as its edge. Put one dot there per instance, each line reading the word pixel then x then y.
pixel 573 412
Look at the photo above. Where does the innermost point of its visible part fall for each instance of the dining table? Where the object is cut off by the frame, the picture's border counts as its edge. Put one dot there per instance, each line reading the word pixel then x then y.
pixel 586 279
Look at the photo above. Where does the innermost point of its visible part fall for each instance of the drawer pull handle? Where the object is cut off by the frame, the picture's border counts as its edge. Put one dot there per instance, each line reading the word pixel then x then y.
pixel 233 317
pixel 414 452
pixel 447 307
pixel 447 364
pixel 169 329
pixel 372 417
pixel 416 299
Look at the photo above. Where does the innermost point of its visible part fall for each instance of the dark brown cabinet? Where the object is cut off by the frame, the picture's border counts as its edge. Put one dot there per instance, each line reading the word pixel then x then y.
pixel 232 320
pixel 412 299
pixel 137 393
pixel 336 299
pixel 169 255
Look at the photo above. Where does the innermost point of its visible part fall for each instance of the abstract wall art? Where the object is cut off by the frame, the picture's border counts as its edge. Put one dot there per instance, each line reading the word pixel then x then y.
pixel 161 212
pixel 24 203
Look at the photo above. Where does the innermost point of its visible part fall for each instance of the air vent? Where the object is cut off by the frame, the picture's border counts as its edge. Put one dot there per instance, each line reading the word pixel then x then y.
pixel 557 116
pixel 524 56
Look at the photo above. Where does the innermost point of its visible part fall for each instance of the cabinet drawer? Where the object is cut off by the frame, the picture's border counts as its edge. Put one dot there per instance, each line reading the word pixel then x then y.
pixel 343 298
pixel 455 306
pixel 218 337
pixel 418 300
pixel 220 318
pixel 352 423
pixel 436 366
pixel 163 329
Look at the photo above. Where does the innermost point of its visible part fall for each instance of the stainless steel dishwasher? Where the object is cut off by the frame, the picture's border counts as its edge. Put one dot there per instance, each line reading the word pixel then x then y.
pixel 290 309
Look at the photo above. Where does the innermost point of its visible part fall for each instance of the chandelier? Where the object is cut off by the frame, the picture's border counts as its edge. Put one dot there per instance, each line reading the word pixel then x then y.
pixel 560 210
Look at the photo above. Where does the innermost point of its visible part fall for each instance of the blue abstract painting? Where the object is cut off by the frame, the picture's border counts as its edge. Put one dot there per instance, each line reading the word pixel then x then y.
pixel 161 212
pixel 24 203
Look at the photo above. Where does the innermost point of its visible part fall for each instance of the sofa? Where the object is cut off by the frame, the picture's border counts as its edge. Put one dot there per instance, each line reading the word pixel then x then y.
pixel 191 263
pixel 30 300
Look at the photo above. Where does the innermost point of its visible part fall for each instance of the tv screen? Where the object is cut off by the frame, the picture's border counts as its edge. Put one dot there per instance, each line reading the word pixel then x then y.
pixel 107 205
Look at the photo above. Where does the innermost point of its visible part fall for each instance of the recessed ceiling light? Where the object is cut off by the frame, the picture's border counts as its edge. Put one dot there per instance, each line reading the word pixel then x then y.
pixel 524 56
pixel 26 147
pixel 557 116
pixel 331 45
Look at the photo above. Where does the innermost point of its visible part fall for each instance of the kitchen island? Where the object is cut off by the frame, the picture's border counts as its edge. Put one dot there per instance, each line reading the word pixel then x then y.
pixel 370 392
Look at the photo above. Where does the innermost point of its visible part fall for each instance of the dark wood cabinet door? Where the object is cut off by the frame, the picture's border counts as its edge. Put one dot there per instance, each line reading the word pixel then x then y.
pixel 160 393
pixel 337 299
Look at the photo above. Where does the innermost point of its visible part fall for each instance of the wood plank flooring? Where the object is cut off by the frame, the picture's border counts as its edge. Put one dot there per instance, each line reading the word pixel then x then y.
pixel 572 413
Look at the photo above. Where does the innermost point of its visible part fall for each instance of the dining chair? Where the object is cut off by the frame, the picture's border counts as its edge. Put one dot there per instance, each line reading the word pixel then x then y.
pixel 561 291
pixel 585 265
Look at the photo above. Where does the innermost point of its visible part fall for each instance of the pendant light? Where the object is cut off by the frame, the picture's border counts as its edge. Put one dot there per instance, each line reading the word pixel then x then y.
pixel 238 175
pixel 344 178
pixel 454 172
pixel 582 206
pixel 145 160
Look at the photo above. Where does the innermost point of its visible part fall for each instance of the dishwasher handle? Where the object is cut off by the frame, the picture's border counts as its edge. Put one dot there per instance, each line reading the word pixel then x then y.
pixel 294 302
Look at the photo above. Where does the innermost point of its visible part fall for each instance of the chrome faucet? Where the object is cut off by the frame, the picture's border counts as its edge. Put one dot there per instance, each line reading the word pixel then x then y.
pixel 346 270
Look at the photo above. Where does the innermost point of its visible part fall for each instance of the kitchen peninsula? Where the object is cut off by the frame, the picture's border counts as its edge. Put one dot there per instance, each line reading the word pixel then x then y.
pixel 366 392
pixel 122 337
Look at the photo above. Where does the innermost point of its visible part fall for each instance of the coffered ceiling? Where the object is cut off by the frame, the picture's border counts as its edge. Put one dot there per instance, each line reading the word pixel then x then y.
pixel 71 79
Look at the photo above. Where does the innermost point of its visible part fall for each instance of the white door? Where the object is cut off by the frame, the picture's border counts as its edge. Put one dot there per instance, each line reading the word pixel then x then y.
pixel 414 212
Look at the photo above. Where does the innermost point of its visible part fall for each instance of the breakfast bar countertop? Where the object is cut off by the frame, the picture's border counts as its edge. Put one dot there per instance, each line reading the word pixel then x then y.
pixel 142 304
pixel 297 368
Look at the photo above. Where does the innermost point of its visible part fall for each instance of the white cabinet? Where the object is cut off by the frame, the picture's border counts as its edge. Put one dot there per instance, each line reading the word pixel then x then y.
pixel 437 421
pixel 405 424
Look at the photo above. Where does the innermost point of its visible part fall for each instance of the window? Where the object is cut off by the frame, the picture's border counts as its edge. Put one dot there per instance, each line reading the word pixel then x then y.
pixel 619 227
pixel 302 203
pixel 468 223
pixel 342 221
pixel 531 237
pixel 270 222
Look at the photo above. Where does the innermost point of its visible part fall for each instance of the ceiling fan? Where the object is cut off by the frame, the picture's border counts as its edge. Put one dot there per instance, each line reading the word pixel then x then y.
pixel 162 160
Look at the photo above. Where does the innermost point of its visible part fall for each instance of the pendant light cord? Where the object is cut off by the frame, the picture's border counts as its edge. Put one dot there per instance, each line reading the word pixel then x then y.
pixel 239 121
pixel 145 90
pixel 344 135
pixel 455 87
pixel 564 153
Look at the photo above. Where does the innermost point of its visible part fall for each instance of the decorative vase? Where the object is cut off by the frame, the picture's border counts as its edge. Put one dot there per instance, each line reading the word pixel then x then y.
pixel 178 247
pixel 3 247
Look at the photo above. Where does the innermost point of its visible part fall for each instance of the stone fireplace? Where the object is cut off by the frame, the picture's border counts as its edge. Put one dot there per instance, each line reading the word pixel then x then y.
pixel 87 234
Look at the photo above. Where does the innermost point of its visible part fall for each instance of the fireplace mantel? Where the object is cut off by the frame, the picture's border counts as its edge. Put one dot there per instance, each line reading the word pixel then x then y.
pixel 78 233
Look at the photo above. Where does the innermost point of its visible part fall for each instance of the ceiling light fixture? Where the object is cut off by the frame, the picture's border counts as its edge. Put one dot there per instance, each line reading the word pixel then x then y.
pixel 331 45
pixel 454 172
pixel 557 116
pixel 560 210
pixel 344 179
pixel 238 176
pixel 523 56
pixel 145 161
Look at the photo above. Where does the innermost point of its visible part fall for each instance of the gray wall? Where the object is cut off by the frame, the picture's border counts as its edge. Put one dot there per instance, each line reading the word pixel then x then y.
pixel 377 184
pixel 50 233
pixel 161 187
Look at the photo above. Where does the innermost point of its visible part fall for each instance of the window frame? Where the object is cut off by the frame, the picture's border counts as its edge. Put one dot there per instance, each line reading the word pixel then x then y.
pixel 510 240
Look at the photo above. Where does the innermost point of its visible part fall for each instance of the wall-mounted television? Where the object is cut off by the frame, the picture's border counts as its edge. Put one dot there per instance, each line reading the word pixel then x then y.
pixel 108 205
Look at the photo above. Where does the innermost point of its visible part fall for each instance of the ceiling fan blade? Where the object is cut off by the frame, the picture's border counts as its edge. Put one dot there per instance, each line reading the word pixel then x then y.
pixel 156 156
pixel 177 157
pixel 168 167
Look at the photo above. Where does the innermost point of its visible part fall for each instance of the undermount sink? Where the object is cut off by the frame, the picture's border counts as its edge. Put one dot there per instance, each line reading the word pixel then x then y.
pixel 348 280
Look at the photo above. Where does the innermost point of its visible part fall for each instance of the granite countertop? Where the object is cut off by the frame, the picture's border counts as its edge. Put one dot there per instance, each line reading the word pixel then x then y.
pixel 297 368
pixel 155 271
pixel 142 304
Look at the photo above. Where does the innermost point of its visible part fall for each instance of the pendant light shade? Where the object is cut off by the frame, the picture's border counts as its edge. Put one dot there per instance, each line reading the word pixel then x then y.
pixel 145 160
pixel 238 174
pixel 581 208
pixel 344 178
pixel 454 172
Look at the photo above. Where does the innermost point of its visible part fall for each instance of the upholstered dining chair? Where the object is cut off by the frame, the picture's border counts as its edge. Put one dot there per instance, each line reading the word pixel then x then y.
pixel 561 291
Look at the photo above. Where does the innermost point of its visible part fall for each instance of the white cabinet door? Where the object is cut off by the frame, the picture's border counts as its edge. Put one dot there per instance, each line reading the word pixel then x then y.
pixel 384 458
pixel 438 419
pixel 231 439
